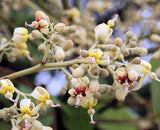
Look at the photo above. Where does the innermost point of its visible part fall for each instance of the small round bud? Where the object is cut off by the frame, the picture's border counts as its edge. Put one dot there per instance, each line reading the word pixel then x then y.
pixel 36 34
pixel 11 57
pixel 121 72
pixel 129 35
pixel 40 14
pixel 104 73
pixel 118 42
pixel 56 38
pixel 93 71
pixel 136 60
pixel 63 90
pixel 68 44
pixel 97 95
pixel 155 38
pixel 152 75
pixel 59 27
pixel 102 89
pixel 111 23
pixel 83 53
pixel 79 72
pixel 71 101
pixel 120 94
pixel 94 85
pixel 59 53
pixel 132 44
pixel 113 48
pixel 43 23
pixel 134 38
pixel 37 125
pixel 156 54
pixel 69 29
pixel 133 75
pixel 42 47
pixel 43 109
pixel 125 52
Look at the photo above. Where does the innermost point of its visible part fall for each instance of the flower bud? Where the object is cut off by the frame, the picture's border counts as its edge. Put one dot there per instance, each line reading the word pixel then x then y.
pixel 93 71
pixel 56 38
pixel 102 31
pixel 129 35
pixel 79 72
pixel 37 125
pixel 69 29
pixel 36 34
pixel 43 23
pixel 155 38
pixel 68 44
pixel 132 44
pixel 40 14
pixel 118 42
pixel 125 52
pixel 134 38
pixel 97 95
pixel 133 75
pixel 63 90
pixel 94 85
pixel 102 89
pixel 156 54
pixel 71 101
pixel 136 60
pixel 11 57
pixel 140 51
pixel 104 73
pixel 59 27
pixel 121 72
pixel 42 47
pixel 152 75
pixel 59 53
pixel 120 94
pixel 83 53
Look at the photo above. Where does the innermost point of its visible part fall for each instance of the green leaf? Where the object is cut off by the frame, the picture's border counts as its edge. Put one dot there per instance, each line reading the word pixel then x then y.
pixel 155 92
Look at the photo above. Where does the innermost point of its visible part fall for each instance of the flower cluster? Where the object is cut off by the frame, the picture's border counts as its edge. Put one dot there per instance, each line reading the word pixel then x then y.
pixel 25 116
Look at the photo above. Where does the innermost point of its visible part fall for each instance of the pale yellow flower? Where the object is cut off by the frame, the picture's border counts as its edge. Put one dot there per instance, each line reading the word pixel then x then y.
pixel 7 88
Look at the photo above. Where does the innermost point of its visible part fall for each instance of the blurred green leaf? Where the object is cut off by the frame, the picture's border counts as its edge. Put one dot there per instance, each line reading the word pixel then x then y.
pixel 155 92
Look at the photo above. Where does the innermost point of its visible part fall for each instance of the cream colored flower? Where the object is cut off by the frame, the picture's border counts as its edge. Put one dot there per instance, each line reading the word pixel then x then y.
pixel 28 113
pixel 7 88
pixel 20 35
pixel 43 97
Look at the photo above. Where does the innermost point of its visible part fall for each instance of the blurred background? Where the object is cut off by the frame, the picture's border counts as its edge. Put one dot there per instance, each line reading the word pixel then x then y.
pixel 139 111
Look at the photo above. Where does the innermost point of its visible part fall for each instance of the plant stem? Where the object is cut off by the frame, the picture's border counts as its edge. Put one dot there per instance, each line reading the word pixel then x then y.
pixel 41 67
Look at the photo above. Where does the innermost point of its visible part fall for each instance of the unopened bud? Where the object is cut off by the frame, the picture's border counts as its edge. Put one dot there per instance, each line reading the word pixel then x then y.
pixel 11 57
pixel 69 29
pixel 71 101
pixel 94 85
pixel 133 75
pixel 132 44
pixel 155 38
pixel 134 38
pixel 83 53
pixel 97 95
pixel 152 75
pixel 104 73
pixel 136 60
pixel 120 94
pixel 102 89
pixel 43 23
pixel 37 125
pixel 59 53
pixel 59 27
pixel 140 51
pixel 118 42
pixel 43 109
pixel 36 34
pixel 68 44
pixel 125 52
pixel 156 54
pixel 79 72
pixel 42 47
pixel 63 90
pixel 40 14
pixel 129 35
pixel 56 38
pixel 93 71
pixel 121 72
